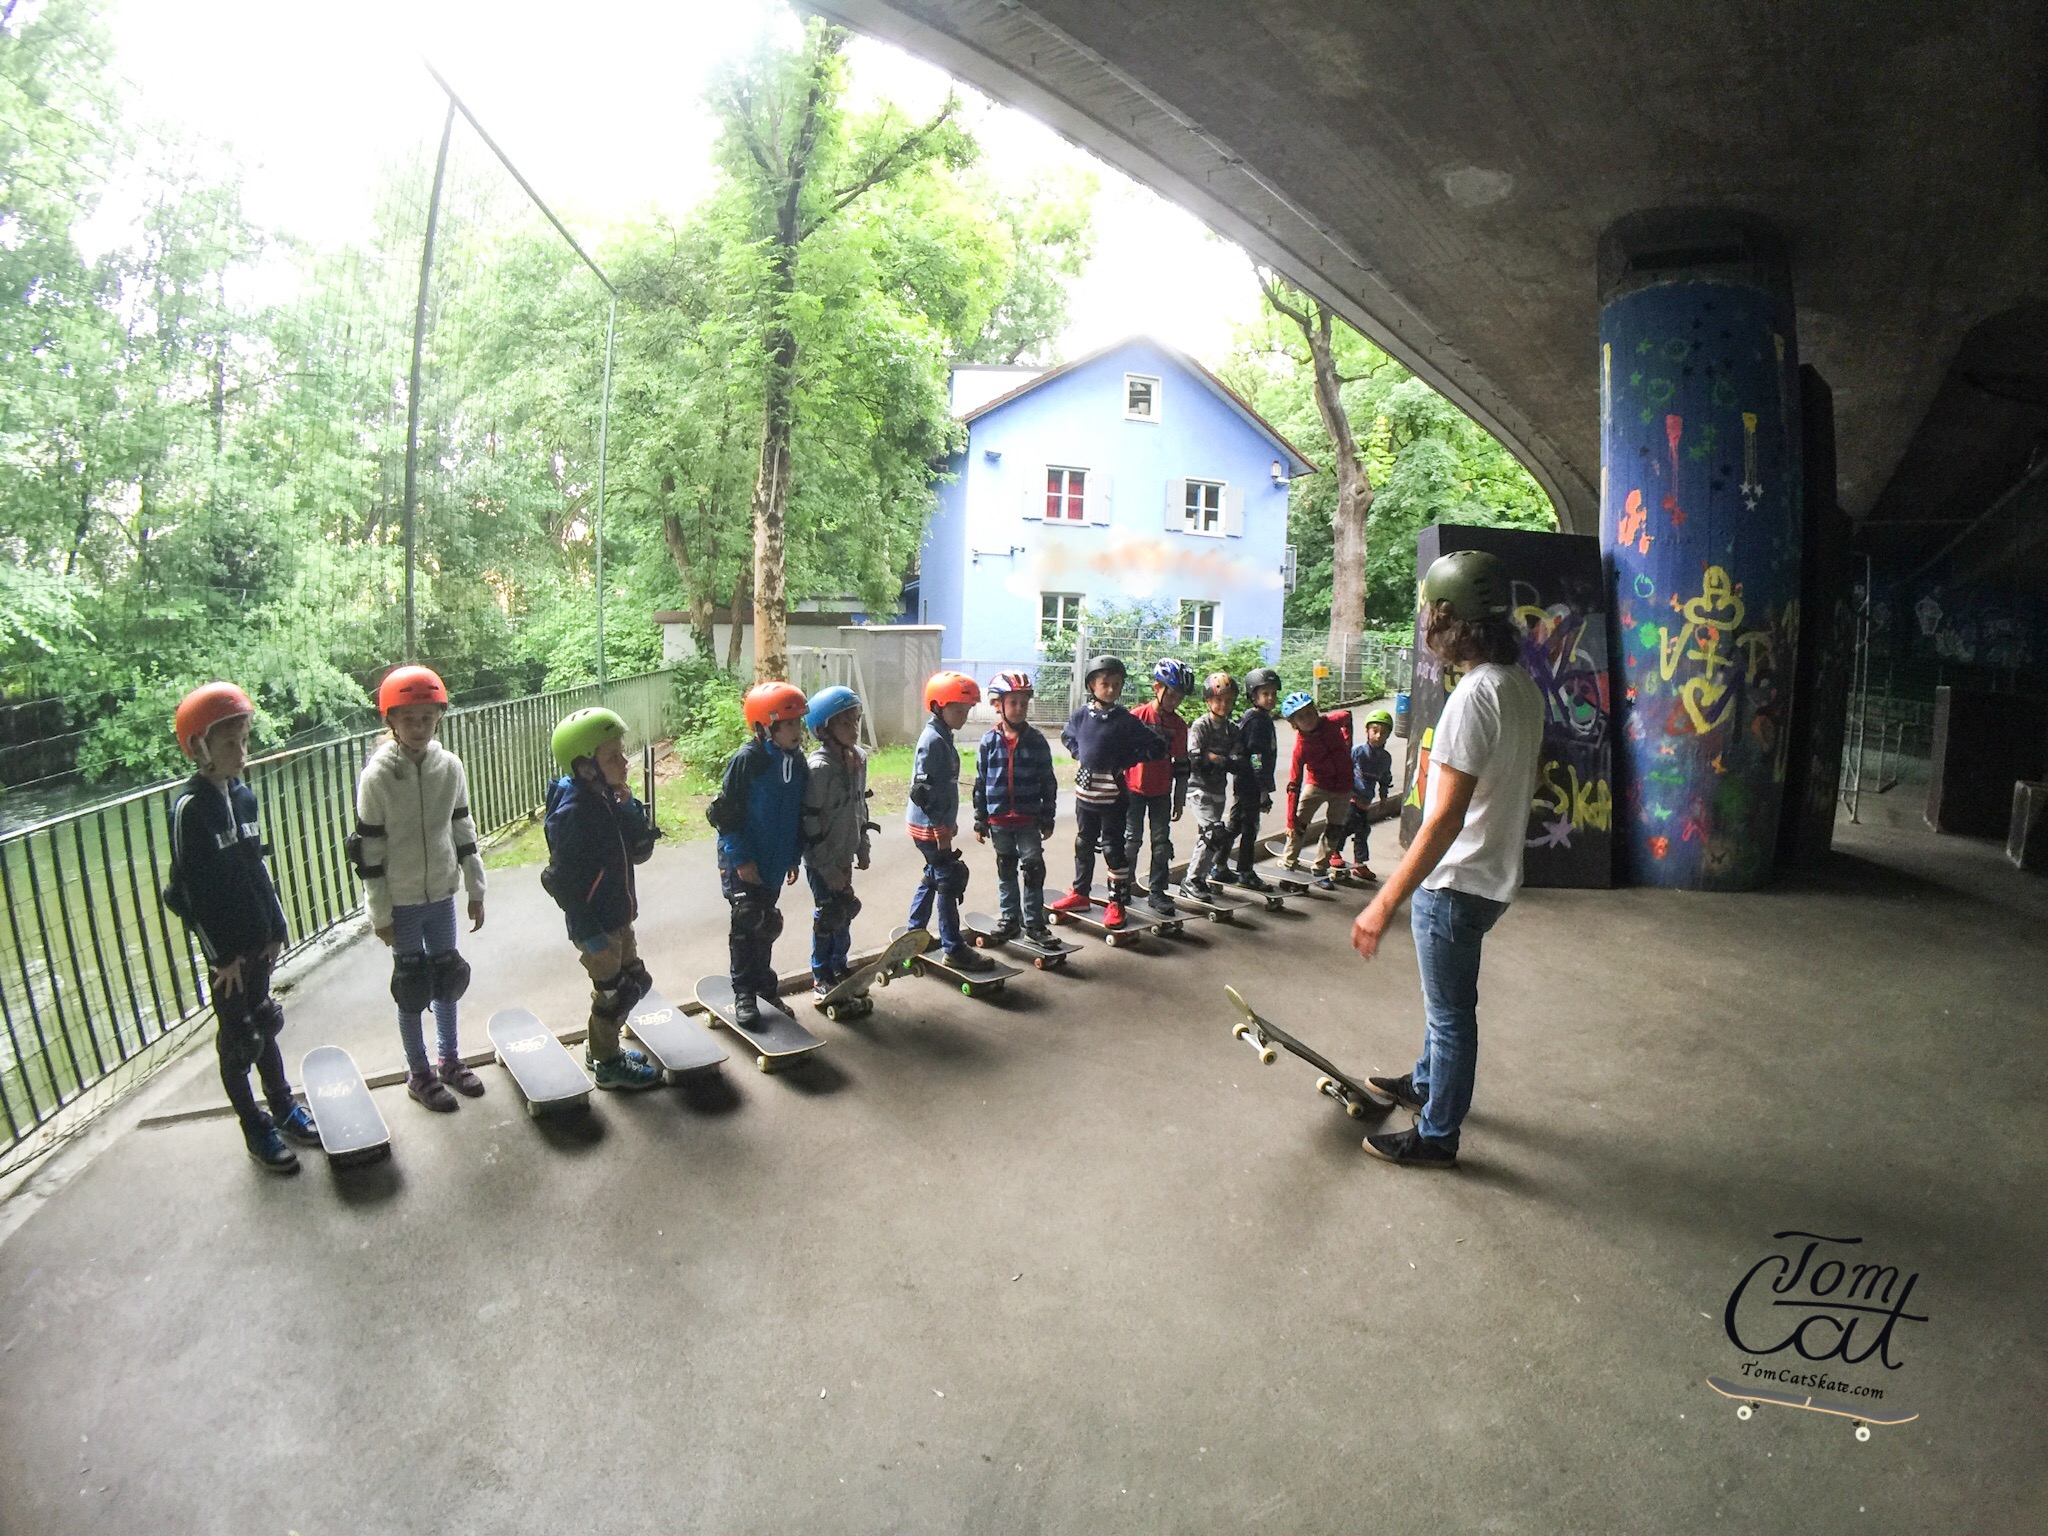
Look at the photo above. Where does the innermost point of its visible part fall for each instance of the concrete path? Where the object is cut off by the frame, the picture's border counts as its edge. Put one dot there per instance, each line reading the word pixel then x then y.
pixel 1073 1261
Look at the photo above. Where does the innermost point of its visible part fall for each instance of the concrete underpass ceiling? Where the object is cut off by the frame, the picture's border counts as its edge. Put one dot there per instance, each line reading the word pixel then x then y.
pixel 1441 172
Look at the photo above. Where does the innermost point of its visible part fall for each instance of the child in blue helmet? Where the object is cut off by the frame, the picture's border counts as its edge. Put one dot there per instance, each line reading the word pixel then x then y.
pixel 836 829
pixel 1016 800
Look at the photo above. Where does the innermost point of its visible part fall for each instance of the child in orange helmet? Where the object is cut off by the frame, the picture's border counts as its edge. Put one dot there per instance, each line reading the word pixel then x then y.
pixel 933 816
pixel 414 847
pixel 759 814
pixel 221 889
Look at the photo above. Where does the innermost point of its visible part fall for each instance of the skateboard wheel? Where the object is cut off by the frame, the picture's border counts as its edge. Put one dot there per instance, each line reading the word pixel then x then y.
pixel 1862 1431
pixel 1744 1411
pixel 916 967
pixel 1111 940
pixel 832 1013
pixel 1214 917
pixel 533 1109
pixel 764 1063
pixel 1039 962
pixel 1267 1055
pixel 1354 1109
pixel 967 989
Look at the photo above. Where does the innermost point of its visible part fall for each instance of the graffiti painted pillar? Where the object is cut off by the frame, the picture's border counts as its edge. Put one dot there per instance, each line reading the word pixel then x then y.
pixel 1700 525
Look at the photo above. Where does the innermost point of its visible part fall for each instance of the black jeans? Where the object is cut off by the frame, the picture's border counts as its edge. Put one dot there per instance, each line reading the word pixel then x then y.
pixel 1244 817
pixel 250 1019
pixel 1158 810
pixel 1102 824
pixel 751 943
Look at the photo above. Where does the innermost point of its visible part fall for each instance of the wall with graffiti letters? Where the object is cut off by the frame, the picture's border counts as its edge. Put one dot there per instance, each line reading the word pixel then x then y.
pixel 1561 606
pixel 1700 520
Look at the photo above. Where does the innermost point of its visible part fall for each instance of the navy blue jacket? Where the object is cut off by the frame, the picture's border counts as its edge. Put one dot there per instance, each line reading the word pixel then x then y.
pixel 594 841
pixel 934 779
pixel 1371 767
pixel 219 885
pixel 759 811
pixel 1015 778
pixel 1261 746
pixel 1109 740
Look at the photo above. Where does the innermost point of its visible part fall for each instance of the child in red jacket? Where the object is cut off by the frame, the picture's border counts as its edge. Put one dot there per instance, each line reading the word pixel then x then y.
pixel 1318 778
pixel 1159 790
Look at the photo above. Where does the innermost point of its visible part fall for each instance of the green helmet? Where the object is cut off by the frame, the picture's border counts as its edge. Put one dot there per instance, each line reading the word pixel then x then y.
pixel 1473 582
pixel 1380 717
pixel 582 733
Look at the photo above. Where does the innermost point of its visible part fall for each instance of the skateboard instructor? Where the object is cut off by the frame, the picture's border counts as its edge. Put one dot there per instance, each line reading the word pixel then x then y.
pixel 1465 864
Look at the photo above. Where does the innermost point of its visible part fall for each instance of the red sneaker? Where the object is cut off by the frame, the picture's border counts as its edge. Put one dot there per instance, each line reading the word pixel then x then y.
pixel 1337 863
pixel 1112 913
pixel 1073 901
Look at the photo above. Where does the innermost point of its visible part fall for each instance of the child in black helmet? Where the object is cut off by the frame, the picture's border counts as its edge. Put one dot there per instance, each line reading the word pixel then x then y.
pixel 1260 743
pixel 1105 740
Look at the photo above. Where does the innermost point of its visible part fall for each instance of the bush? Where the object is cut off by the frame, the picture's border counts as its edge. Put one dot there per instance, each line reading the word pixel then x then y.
pixel 709 724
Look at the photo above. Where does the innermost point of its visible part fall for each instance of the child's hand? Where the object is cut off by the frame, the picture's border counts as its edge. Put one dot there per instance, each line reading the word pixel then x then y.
pixel 860 861
pixel 747 874
pixel 273 949
pixel 227 979
pixel 476 916
pixel 385 935
pixel 790 878
pixel 946 838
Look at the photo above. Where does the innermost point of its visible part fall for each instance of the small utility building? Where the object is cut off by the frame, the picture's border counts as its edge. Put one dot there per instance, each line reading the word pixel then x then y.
pixel 1131 475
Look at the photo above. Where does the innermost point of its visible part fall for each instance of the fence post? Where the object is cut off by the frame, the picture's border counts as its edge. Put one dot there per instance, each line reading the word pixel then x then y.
pixel 604 418
pixel 410 511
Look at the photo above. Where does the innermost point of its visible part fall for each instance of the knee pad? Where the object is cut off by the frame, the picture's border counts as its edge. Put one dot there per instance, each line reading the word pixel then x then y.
pixel 1216 835
pixel 1032 870
pixel 1006 866
pixel 634 983
pixel 611 999
pixel 749 915
pixel 838 910
pixel 451 976
pixel 771 923
pixel 266 1019
pixel 412 982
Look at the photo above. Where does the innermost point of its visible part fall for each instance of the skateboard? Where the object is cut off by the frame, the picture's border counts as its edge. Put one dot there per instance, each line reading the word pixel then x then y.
pixel 1220 908
pixel 677 1042
pixel 1262 1035
pixel 1277 847
pixel 777 1038
pixel 1288 882
pixel 849 999
pixel 972 983
pixel 1863 1418
pixel 351 1128
pixel 1137 922
pixel 541 1065
pixel 981 929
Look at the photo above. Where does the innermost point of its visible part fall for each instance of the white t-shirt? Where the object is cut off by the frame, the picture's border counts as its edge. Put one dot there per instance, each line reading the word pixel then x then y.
pixel 1491 728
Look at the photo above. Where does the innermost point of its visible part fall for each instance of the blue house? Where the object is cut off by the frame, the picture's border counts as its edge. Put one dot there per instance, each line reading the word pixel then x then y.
pixel 1130 475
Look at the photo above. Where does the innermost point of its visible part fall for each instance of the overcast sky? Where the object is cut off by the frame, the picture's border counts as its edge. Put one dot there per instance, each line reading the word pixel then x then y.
pixel 600 105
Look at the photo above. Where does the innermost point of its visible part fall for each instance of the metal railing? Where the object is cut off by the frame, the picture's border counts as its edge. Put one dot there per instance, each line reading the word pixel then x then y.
pixel 1359 664
pixel 1051 693
pixel 95 975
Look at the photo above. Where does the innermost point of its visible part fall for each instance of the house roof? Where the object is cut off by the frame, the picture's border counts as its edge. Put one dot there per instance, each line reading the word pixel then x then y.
pixel 1299 462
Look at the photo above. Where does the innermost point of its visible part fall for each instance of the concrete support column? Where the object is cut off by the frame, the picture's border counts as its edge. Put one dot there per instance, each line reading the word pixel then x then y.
pixel 1700 527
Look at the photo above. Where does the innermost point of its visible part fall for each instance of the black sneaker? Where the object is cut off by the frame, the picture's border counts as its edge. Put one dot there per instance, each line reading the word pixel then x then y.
pixel 1401 1090
pixel 1042 937
pixel 746 1010
pixel 1003 932
pixel 1412 1149
pixel 966 958
pixel 1250 881
pixel 1162 903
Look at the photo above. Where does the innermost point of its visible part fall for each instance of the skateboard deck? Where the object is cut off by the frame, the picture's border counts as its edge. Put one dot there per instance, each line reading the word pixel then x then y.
pixel 1262 1035
pixel 1219 908
pixel 547 1075
pixel 778 1038
pixel 1276 846
pixel 1272 900
pixel 1138 921
pixel 972 983
pixel 351 1128
pixel 849 999
pixel 677 1042
pixel 1863 1417
pixel 981 928
pixel 1289 882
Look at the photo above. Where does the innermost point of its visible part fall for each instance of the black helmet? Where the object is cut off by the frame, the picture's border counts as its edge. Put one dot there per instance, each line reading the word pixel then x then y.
pixel 1261 677
pixel 1098 665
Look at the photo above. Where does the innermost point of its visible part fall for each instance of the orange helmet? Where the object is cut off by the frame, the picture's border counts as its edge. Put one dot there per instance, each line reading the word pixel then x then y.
pixel 768 704
pixel 204 708
pixel 410 685
pixel 951 688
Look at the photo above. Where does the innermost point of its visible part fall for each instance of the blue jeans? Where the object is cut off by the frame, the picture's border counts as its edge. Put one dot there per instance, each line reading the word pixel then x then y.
pixel 1020 876
pixel 428 928
pixel 829 946
pixel 929 895
pixel 1448 927
pixel 1157 810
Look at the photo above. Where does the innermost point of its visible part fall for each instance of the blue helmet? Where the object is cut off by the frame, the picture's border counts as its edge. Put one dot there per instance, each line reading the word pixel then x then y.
pixel 827 702
pixel 1295 702
pixel 1173 673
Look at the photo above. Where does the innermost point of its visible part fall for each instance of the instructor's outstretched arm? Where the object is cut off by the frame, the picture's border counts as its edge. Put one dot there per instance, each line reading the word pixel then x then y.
pixel 1446 819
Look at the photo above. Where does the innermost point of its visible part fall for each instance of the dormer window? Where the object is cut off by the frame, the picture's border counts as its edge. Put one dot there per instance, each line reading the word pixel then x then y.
pixel 1141 397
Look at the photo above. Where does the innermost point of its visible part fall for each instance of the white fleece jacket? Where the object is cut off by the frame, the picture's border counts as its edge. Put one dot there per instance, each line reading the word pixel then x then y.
pixel 419 844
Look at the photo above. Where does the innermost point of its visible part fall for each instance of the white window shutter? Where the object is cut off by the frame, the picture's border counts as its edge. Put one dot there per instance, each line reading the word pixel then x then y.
pixel 1176 505
pixel 1097 497
pixel 1233 511
pixel 1033 498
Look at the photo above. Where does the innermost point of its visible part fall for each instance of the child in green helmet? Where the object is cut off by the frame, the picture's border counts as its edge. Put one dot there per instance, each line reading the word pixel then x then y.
pixel 1372 778
pixel 596 833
